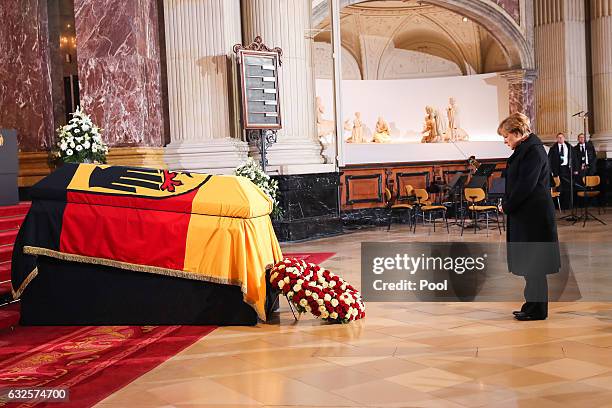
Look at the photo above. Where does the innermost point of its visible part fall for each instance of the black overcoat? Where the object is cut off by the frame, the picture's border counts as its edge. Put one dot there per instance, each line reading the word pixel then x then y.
pixel 531 232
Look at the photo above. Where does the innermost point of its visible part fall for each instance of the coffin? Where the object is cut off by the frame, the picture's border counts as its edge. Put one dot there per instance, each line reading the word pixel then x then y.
pixel 143 246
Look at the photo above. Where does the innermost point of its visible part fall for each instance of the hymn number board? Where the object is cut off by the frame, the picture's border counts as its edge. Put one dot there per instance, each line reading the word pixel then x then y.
pixel 260 94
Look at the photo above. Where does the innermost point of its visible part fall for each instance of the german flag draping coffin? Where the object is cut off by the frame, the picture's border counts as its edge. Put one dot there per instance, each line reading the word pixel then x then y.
pixel 186 225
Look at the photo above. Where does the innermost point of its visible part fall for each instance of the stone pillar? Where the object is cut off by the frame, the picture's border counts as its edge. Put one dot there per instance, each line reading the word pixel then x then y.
pixel 25 80
pixel 521 93
pixel 601 51
pixel 562 86
pixel 202 87
pixel 285 24
pixel 118 54
pixel 26 88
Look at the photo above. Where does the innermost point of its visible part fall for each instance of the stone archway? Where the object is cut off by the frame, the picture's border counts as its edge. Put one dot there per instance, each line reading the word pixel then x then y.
pixel 488 14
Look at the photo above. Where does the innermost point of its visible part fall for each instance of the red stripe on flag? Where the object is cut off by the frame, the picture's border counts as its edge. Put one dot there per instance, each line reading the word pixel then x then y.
pixel 132 235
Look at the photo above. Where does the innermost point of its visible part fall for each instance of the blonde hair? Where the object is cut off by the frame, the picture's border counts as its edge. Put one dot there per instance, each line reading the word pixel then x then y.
pixel 515 123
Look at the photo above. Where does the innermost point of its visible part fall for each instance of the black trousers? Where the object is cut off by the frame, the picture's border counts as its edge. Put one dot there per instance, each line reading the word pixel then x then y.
pixel 565 188
pixel 536 296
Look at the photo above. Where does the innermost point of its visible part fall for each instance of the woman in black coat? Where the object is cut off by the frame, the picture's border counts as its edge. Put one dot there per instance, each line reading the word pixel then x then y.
pixel 532 243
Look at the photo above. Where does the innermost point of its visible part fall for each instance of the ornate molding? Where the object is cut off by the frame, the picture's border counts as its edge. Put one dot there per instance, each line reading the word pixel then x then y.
pixel 258 45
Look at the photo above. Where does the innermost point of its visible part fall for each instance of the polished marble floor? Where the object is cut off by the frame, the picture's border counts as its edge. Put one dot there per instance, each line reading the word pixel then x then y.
pixel 402 354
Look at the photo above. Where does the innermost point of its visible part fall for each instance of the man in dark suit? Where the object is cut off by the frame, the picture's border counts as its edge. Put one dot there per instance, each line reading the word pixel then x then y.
pixel 586 156
pixel 563 162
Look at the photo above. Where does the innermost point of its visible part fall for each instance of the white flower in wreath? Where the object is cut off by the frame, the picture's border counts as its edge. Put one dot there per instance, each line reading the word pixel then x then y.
pixel 300 281
pixel 79 148
pixel 322 309
pixel 320 301
pixel 315 296
pixel 64 146
pixel 327 297
pixel 355 312
pixel 290 295
pixel 72 145
pixel 287 280
pixel 308 293
pixel 332 284
pixel 274 275
pixel 334 302
pixel 85 127
pixel 303 302
pixel 87 145
pixel 77 130
pixel 324 314
pixel 94 148
pixel 281 284
pixel 333 315
pixel 308 308
pixel 297 287
pixel 69 152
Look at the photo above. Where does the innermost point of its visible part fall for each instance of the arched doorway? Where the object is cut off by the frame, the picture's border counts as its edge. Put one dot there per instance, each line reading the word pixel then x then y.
pixel 506 32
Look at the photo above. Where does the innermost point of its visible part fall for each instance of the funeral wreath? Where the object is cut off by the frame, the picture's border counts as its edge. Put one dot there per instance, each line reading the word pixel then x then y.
pixel 311 288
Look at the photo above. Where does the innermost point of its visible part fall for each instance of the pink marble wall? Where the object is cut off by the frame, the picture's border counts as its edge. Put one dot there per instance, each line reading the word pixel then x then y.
pixel 25 73
pixel 522 99
pixel 512 7
pixel 118 54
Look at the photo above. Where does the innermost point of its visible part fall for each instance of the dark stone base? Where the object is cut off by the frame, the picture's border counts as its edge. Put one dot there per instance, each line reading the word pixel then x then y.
pixel 310 206
pixel 370 217
pixel 307 228
pixel 604 169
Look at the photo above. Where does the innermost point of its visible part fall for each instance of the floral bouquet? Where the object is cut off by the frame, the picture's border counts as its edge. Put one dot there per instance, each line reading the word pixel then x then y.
pixel 80 141
pixel 253 171
pixel 313 289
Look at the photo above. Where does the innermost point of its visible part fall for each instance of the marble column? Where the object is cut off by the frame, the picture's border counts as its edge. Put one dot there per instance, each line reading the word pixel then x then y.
pixel 118 54
pixel 601 51
pixel 202 86
pixel 30 99
pixel 562 86
pixel 25 73
pixel 285 24
pixel 521 93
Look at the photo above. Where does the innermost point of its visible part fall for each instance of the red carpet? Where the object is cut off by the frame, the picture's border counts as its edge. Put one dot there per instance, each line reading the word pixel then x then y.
pixel 92 362
pixel 311 257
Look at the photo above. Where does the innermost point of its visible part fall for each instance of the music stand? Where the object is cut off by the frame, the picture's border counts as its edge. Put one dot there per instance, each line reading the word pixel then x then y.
pixel 455 187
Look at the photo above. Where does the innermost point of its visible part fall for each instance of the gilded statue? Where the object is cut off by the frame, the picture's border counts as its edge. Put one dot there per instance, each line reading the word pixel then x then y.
pixel 454 133
pixel 430 131
pixel 357 132
pixel 382 132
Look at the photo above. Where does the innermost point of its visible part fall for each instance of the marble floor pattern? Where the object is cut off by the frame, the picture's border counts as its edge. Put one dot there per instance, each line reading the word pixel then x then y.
pixel 402 355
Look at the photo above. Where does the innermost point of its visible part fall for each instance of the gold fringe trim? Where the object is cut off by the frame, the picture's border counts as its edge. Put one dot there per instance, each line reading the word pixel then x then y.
pixel 30 250
pixel 26 282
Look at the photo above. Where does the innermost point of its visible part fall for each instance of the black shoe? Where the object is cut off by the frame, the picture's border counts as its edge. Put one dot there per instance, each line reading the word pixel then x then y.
pixel 524 317
pixel 517 312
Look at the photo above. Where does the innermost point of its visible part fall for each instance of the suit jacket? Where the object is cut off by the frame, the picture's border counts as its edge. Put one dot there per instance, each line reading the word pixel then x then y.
pixel 555 159
pixel 531 231
pixel 590 154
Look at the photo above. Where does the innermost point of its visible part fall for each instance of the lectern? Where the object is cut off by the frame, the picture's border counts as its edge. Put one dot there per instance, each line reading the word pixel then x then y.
pixel 9 167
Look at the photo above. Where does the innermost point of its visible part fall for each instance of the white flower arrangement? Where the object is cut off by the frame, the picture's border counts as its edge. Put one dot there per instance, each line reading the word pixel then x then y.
pixel 253 171
pixel 80 141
